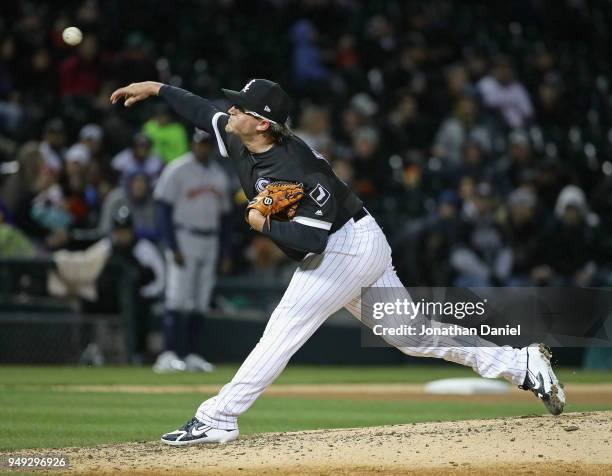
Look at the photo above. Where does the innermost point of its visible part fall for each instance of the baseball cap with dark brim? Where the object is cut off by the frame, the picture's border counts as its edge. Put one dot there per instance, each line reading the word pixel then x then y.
pixel 264 98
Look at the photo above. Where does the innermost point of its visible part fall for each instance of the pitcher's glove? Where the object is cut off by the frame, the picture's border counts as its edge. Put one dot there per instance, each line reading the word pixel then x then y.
pixel 279 200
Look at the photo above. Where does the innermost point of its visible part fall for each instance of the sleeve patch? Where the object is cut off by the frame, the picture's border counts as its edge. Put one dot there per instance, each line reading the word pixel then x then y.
pixel 320 195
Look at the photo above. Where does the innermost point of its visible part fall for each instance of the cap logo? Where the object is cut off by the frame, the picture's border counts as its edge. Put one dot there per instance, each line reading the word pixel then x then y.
pixel 267 109
pixel 247 86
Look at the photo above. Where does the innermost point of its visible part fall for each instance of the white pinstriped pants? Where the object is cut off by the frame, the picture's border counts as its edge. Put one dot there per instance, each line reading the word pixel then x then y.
pixel 356 256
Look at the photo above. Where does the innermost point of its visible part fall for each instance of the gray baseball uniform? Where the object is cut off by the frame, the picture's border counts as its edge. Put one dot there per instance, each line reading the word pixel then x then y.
pixel 199 195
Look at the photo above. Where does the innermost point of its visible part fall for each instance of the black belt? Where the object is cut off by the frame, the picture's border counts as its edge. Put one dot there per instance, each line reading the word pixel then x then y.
pixel 196 231
pixel 360 214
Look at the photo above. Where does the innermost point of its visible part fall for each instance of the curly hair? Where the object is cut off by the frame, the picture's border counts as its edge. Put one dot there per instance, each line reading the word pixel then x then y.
pixel 278 132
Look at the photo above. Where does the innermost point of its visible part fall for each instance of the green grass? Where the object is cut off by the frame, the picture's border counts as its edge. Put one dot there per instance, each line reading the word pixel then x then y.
pixel 58 375
pixel 32 416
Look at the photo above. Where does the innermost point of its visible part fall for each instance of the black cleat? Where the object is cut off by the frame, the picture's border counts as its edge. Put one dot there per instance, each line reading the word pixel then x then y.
pixel 194 432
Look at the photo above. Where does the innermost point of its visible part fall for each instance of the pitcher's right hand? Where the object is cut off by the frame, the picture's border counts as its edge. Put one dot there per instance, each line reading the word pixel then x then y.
pixel 136 92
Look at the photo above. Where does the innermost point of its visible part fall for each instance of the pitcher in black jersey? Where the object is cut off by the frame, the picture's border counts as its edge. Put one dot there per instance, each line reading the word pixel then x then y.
pixel 339 246
pixel 255 138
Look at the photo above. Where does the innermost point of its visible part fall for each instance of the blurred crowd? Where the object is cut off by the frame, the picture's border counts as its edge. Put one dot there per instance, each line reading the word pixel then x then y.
pixel 478 134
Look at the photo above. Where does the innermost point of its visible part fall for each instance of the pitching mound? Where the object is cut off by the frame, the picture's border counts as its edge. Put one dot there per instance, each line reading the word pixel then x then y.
pixel 575 442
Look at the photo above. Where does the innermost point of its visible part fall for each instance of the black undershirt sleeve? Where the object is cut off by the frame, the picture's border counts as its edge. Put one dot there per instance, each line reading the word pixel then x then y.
pixel 195 109
pixel 297 237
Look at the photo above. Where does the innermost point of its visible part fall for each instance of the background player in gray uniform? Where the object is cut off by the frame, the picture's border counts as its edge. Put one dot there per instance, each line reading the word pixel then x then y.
pixel 191 196
pixel 341 249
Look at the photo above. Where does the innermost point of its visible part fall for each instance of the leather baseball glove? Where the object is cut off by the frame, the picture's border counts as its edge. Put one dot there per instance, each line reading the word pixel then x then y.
pixel 279 200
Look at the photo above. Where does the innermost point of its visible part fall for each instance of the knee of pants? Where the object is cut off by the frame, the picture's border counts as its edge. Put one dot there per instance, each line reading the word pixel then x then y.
pixel 179 302
pixel 280 348
pixel 288 326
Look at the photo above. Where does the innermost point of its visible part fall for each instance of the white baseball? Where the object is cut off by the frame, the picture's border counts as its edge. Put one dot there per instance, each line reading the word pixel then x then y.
pixel 72 35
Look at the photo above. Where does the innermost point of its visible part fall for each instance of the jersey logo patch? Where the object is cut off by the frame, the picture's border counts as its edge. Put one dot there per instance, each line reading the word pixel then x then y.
pixel 261 184
pixel 320 195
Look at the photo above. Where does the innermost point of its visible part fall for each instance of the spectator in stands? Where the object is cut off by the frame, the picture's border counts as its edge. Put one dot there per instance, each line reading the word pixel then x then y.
pixel 43 213
pixel 129 276
pixel 100 174
pixel 462 125
pixel 309 72
pixel 406 69
pixel 442 233
pixel 80 196
pixel 549 177
pixel 13 242
pixel 11 116
pixel 80 74
pixel 380 41
pixel 18 187
pixel 516 167
pixel 502 93
pixel 347 56
pixel 169 137
pixel 570 261
pixel 371 170
pixel 314 127
pixel 405 127
pixel 552 107
pixel 134 62
pixel 146 261
pixel 525 237
pixel 466 189
pixel 483 258
pixel 474 160
pixel 135 194
pixel 91 136
pixel 51 147
pixel 138 158
pixel 344 170
pixel 458 85
pixel 33 66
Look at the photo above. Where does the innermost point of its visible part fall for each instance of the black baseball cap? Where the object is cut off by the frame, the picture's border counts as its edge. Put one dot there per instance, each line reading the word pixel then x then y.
pixel 264 98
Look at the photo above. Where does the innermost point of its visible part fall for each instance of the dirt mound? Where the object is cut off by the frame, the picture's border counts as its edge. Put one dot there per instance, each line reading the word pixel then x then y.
pixel 574 442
